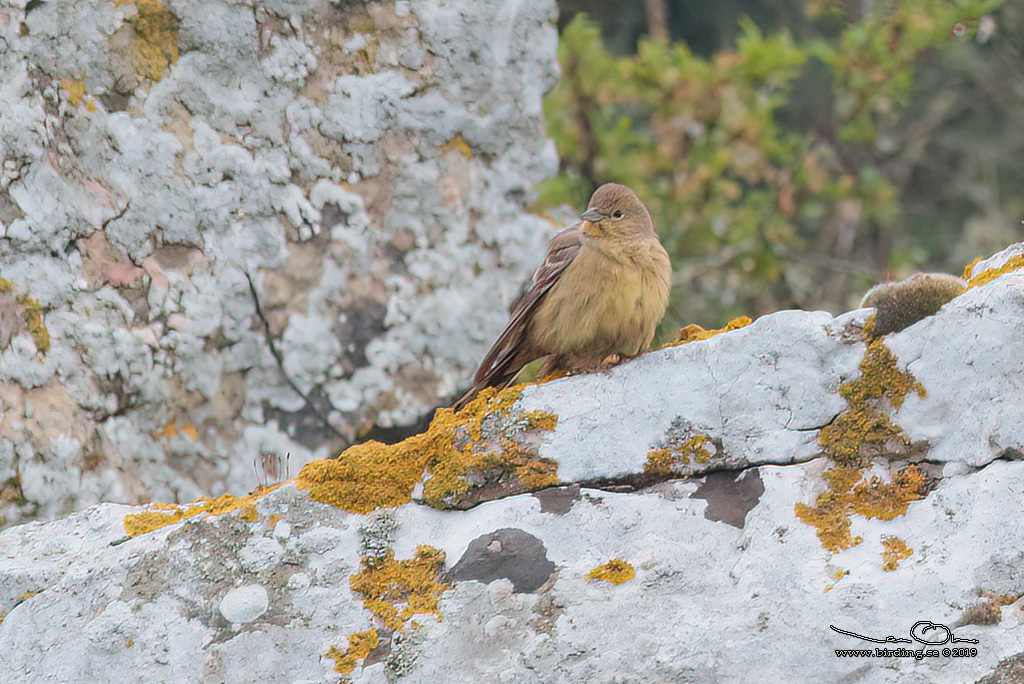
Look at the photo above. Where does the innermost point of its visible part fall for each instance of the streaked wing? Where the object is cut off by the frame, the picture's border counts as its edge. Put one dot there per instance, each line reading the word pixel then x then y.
pixel 496 366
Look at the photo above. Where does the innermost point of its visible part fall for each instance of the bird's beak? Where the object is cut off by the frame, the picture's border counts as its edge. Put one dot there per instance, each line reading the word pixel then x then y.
pixel 592 215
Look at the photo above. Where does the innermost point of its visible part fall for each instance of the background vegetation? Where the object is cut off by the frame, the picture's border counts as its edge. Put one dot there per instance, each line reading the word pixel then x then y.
pixel 794 153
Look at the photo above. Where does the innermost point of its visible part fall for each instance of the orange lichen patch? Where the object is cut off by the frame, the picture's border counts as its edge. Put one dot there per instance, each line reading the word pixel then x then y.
pixel 486 439
pixel 894 551
pixel 75 90
pixel 862 430
pixel 162 515
pixel 831 514
pixel 359 646
pixel 35 323
pixel 540 420
pixel 673 458
pixel 864 424
pixel 888 500
pixel 396 590
pixel 171 430
pixel 695 333
pixel 617 571
pixel 76 94
pixel 662 461
pixel 459 144
pixel 249 513
pixel 837 577
pixel 273 520
pixel 156 38
pixel 166 432
pixel 1014 263
pixel 32 313
pixel 847 495
pixel 970 267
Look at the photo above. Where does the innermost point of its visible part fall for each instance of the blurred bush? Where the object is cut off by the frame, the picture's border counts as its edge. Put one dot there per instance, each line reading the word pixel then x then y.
pixel 792 173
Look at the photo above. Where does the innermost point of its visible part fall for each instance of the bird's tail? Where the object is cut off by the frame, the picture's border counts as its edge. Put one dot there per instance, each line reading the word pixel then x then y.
pixel 500 382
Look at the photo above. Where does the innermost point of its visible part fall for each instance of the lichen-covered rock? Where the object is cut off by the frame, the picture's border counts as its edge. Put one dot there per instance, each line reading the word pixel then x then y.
pixel 234 232
pixel 851 514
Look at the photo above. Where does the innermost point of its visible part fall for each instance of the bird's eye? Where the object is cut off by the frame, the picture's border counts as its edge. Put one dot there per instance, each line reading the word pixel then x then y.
pixel 617 214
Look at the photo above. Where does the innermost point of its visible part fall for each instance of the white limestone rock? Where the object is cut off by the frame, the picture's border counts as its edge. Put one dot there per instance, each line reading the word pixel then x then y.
pixel 244 604
pixel 730 584
pixel 162 176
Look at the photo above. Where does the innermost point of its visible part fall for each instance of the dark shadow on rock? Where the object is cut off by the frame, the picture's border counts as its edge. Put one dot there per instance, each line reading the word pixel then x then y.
pixel 730 495
pixel 509 554
pixel 558 500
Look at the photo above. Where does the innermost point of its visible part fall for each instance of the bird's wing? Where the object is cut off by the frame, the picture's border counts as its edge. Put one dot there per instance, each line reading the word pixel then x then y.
pixel 495 367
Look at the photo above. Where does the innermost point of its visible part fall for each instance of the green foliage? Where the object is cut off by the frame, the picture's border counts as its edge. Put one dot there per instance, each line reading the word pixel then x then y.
pixel 756 215
pixel 872 63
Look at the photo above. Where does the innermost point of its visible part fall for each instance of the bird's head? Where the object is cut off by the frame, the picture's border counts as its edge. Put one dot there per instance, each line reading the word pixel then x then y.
pixel 615 211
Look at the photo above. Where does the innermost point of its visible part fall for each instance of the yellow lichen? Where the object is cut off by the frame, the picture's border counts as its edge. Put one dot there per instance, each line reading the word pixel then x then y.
pixel 161 514
pixel 888 500
pixel 249 513
pixel 459 144
pixel 894 551
pixel 166 432
pixel 36 325
pixel 156 38
pixel 616 571
pixel 865 422
pixel 837 577
pixel 970 267
pixel 171 430
pixel 1014 263
pixel 847 495
pixel 396 590
pixel 359 646
pixel 831 513
pixel 32 313
pixel 671 459
pixel 75 89
pixel 662 461
pixel 540 420
pixel 454 450
pixel 695 333
pixel 861 431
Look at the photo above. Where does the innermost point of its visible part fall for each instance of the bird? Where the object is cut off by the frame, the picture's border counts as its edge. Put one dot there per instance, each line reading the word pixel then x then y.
pixel 601 291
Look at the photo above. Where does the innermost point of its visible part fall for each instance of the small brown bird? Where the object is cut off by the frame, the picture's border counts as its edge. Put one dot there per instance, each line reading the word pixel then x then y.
pixel 602 289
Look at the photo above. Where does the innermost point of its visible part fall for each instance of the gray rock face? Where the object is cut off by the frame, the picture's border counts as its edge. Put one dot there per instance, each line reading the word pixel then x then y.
pixel 840 547
pixel 231 232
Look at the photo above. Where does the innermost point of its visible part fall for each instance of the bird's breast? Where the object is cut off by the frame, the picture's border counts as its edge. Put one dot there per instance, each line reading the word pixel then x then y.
pixel 606 301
